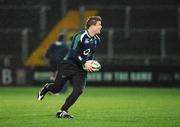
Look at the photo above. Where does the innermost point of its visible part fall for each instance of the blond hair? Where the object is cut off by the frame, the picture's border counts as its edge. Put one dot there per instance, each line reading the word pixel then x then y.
pixel 92 20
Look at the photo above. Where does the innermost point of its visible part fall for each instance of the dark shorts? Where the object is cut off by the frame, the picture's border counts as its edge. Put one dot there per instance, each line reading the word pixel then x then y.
pixel 75 75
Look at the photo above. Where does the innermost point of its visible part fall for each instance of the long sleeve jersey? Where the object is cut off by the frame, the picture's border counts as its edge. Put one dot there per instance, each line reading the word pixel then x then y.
pixel 82 48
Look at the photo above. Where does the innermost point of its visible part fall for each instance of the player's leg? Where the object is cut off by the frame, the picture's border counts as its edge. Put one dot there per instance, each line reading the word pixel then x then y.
pixel 59 83
pixel 65 88
pixel 53 87
pixel 42 92
pixel 79 81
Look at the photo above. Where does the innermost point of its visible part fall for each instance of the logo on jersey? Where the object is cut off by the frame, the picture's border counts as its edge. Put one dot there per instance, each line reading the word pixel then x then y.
pixel 86 41
pixel 86 52
pixel 80 58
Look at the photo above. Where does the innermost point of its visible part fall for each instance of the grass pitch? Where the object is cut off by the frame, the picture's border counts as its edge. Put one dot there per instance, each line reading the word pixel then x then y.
pixel 97 107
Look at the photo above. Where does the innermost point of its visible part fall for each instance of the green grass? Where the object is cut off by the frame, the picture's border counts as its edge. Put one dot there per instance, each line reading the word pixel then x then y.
pixel 97 107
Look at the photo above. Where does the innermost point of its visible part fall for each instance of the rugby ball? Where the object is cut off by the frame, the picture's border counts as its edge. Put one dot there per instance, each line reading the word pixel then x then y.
pixel 96 65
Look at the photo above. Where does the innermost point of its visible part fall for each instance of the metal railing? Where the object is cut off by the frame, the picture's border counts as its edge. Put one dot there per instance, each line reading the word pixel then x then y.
pixel 127 31
pixel 41 9
pixel 109 56
pixel 24 42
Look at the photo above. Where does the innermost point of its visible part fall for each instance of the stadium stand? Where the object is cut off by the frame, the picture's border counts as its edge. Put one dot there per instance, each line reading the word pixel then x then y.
pixel 137 30
pixel 154 17
pixel 78 3
pixel 11 40
pixel 172 43
pixel 102 49
pixel 145 43
pixel 113 17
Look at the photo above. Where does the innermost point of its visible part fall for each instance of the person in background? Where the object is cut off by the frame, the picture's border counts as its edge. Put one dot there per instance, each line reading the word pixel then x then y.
pixel 55 55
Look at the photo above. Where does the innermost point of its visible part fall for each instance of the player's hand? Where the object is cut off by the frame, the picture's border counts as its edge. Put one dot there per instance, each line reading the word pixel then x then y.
pixel 88 66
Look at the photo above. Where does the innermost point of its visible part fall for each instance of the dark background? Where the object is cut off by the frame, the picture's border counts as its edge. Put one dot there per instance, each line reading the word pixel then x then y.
pixel 136 33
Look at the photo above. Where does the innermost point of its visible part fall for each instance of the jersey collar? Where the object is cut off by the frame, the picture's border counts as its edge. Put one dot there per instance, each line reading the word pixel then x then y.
pixel 88 34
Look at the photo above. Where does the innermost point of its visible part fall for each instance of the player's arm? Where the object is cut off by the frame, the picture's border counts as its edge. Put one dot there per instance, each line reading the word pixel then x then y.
pixel 75 55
